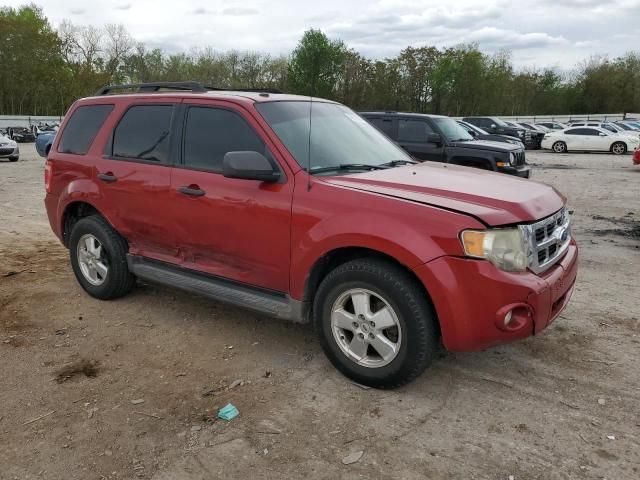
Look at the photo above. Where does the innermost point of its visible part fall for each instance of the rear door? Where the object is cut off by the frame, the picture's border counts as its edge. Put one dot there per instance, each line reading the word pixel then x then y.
pixel 231 228
pixel 413 136
pixel 134 176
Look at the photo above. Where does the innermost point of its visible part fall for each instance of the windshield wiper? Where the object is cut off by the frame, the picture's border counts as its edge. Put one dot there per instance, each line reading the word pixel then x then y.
pixel 348 166
pixel 395 163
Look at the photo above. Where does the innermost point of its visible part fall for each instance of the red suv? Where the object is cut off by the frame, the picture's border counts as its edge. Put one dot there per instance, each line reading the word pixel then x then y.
pixel 300 209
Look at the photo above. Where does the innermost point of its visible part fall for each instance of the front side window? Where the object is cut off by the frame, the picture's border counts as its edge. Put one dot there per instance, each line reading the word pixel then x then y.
pixel 413 130
pixel 338 135
pixel 143 133
pixel 82 128
pixel 210 133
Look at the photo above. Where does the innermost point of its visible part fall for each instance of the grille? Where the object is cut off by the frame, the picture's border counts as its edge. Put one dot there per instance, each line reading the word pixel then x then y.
pixel 548 240
pixel 519 160
pixel 5 151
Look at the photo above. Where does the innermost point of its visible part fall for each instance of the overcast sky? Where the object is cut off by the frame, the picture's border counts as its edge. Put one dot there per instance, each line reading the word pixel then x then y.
pixel 540 33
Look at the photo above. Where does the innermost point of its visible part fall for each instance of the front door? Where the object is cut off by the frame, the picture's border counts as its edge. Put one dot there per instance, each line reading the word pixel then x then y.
pixel 413 136
pixel 231 228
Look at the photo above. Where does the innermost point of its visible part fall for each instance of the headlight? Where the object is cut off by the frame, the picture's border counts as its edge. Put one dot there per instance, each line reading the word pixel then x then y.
pixel 512 157
pixel 520 133
pixel 505 248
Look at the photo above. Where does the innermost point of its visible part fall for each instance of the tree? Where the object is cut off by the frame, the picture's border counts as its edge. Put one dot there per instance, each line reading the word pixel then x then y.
pixel 316 65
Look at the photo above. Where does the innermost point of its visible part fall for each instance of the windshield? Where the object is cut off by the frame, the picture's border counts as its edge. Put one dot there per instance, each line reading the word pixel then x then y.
pixel 451 129
pixel 339 136
pixel 469 126
pixel 611 127
pixel 500 123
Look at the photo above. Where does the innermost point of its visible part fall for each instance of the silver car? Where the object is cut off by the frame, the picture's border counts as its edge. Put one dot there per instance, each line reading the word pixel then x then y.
pixel 9 149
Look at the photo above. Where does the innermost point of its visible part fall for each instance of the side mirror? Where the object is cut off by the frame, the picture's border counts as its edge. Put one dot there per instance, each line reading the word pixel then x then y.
pixel 493 126
pixel 248 166
pixel 434 138
pixel 602 134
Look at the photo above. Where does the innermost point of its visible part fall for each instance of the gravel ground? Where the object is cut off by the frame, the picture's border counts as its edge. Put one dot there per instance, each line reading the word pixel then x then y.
pixel 130 388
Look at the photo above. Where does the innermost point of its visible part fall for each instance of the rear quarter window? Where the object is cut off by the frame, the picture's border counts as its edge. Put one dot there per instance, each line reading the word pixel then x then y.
pixel 82 128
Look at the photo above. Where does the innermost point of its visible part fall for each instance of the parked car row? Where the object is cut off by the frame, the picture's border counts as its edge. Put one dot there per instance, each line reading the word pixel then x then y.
pixel 443 139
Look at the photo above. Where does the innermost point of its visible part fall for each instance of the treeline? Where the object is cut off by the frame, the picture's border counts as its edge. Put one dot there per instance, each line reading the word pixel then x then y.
pixel 43 70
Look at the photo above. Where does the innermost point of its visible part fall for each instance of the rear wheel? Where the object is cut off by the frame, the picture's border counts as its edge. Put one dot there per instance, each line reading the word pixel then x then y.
pixel 98 257
pixel 559 147
pixel 375 323
pixel 618 148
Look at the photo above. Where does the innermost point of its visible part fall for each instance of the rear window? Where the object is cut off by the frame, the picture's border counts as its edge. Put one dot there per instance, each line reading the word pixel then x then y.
pixel 385 125
pixel 143 133
pixel 82 128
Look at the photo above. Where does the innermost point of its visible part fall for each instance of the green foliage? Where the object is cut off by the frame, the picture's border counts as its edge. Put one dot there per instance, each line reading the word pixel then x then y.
pixel 316 65
pixel 43 71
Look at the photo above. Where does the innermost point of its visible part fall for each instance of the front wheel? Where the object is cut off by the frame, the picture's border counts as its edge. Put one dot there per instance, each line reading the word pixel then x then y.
pixel 375 323
pixel 559 147
pixel 618 148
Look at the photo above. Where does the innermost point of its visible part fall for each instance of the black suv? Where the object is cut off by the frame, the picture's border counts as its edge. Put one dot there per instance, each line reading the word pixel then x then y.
pixel 442 139
pixel 496 125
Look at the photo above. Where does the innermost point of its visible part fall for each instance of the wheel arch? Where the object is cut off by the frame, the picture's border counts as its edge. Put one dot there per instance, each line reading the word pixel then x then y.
pixel 475 162
pixel 338 256
pixel 73 212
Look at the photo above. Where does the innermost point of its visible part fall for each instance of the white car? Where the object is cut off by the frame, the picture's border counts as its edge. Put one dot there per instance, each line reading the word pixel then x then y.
pixel 589 139
pixel 9 149
pixel 612 127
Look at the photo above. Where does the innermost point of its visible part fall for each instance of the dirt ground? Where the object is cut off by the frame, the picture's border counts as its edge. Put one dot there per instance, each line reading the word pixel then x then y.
pixel 130 388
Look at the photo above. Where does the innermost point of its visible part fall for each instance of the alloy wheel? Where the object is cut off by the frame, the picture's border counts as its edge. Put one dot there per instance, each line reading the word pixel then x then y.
pixel 92 260
pixel 366 328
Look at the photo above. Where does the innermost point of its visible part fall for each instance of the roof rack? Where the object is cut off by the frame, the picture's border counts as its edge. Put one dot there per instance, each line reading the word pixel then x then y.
pixel 196 87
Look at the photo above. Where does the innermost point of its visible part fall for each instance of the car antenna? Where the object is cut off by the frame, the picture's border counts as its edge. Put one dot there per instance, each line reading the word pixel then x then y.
pixel 313 91
pixel 309 139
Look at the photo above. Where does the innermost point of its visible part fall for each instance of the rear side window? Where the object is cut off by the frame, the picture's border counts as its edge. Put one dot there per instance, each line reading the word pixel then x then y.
pixel 413 130
pixel 143 133
pixel 82 128
pixel 385 125
pixel 212 132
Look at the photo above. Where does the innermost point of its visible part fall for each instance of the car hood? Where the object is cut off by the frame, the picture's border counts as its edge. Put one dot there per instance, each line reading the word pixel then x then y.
pixel 487 145
pixel 494 198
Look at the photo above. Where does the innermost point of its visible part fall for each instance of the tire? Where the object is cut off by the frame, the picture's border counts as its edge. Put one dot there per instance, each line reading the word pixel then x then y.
pixel 402 300
pixel 102 272
pixel 559 147
pixel 619 148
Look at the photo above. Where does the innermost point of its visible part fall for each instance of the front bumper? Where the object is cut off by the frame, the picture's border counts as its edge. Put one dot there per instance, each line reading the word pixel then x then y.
pixel 523 171
pixel 9 152
pixel 471 298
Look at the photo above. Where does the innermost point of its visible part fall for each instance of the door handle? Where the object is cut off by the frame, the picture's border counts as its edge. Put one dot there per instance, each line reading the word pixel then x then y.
pixel 192 190
pixel 107 177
